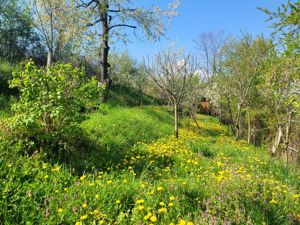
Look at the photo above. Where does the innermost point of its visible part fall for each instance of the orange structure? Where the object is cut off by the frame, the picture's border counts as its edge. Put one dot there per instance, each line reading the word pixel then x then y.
pixel 204 105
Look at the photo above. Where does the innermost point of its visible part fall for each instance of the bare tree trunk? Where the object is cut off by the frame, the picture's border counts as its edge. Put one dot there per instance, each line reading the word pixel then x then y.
pixel 104 76
pixel 287 136
pixel 277 140
pixel 176 120
pixel 249 126
pixel 49 59
pixel 237 123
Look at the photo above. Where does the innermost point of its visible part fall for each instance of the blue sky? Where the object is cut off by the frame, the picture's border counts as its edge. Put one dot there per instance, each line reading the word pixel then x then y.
pixel 196 16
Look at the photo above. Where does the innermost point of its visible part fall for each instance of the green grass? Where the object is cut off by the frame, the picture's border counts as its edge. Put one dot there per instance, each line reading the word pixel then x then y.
pixel 135 172
pixel 128 97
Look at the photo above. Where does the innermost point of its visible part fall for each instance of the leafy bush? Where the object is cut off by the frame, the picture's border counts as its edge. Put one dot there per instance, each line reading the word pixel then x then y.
pixel 47 116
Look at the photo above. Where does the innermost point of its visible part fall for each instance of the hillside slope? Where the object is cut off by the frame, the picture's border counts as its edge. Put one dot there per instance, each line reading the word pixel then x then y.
pixel 205 177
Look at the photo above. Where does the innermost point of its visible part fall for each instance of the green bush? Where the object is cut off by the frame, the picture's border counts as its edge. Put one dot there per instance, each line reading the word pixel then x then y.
pixel 47 116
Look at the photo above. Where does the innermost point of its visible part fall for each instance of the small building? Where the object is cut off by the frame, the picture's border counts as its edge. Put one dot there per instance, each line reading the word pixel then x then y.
pixel 204 106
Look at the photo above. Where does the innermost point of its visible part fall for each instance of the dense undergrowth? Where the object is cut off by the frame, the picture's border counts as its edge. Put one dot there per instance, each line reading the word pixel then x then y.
pixel 138 173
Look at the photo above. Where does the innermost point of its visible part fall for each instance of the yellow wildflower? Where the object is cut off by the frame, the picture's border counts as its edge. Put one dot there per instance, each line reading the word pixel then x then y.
pixel 141 207
pixel 172 198
pixel 162 210
pixel 60 210
pixel 84 217
pixel 153 219
pixel 140 201
pixel 82 177
pixel 84 205
pixel 159 188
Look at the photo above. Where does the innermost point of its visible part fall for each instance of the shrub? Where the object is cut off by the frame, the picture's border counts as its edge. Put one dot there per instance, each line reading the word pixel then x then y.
pixel 47 116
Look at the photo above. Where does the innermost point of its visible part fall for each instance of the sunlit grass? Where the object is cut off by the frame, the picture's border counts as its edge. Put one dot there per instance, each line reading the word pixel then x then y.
pixel 204 177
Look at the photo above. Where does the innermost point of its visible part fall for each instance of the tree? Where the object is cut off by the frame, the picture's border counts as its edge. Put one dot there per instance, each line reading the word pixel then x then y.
pixel 208 48
pixel 58 22
pixel 173 71
pixel 17 37
pixel 281 83
pixel 241 64
pixel 112 15
pixel 281 86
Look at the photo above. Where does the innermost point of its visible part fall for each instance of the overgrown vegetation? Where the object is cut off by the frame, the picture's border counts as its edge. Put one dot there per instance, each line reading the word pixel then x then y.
pixel 67 158
pixel 47 115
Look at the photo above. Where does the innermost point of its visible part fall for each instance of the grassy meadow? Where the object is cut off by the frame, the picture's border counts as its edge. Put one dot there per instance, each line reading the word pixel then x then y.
pixel 135 172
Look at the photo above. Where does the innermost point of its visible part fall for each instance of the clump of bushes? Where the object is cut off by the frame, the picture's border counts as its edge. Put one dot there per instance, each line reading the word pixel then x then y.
pixel 47 115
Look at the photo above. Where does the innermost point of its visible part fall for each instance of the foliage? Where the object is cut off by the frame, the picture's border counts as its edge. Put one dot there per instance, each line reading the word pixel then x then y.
pixel 47 116
pixel 161 182
pixel 18 39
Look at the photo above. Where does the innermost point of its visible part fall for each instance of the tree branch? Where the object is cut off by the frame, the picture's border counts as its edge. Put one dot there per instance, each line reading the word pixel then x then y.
pixel 94 23
pixel 122 25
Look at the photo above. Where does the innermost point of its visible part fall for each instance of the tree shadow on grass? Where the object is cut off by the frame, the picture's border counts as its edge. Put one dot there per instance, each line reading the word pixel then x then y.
pixel 89 155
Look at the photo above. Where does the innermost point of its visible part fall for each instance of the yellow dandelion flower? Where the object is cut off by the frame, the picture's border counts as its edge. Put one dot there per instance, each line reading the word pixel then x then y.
pixel 159 188
pixel 170 204
pixel 97 196
pixel 77 223
pixel 118 202
pixel 162 210
pixel 141 207
pixel 101 222
pixel 84 217
pixel 182 222
pixel 153 219
pixel 60 210
pixel 109 182
pixel 189 223
pixel 140 201
pixel 82 177
pixel 84 205
pixel 273 201
pixel 296 196
pixel 172 198
pixel 161 203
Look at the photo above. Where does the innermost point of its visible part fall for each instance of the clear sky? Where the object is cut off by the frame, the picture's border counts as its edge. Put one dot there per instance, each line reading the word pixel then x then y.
pixel 196 16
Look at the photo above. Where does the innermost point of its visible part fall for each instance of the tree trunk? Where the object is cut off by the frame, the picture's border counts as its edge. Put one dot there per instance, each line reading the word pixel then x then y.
pixel 249 126
pixel 49 59
pixel 176 120
pixel 237 123
pixel 277 140
pixel 287 136
pixel 104 76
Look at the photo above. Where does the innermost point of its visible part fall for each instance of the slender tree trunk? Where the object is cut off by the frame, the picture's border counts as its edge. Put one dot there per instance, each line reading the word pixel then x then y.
pixel 176 120
pixel 237 123
pixel 49 59
pixel 104 76
pixel 287 136
pixel 249 126
pixel 277 140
